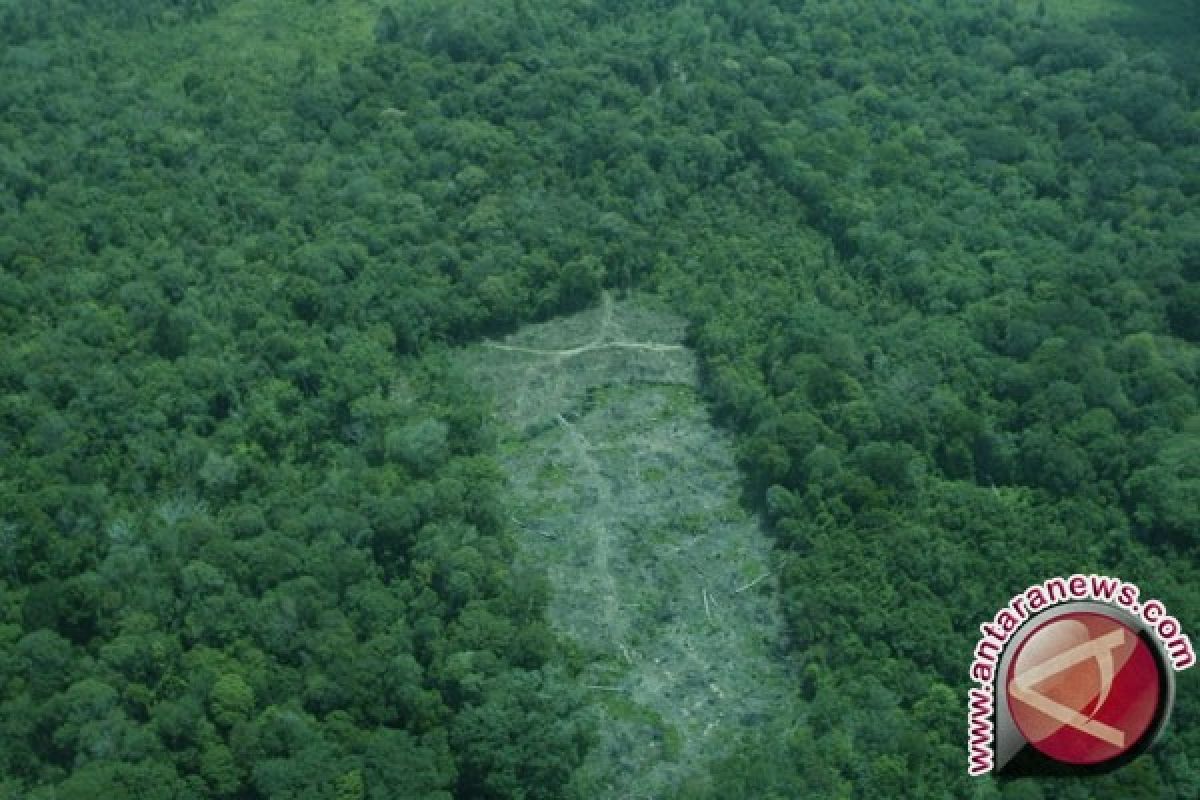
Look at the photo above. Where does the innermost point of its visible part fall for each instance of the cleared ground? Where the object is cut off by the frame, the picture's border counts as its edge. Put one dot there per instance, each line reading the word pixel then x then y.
pixel 626 497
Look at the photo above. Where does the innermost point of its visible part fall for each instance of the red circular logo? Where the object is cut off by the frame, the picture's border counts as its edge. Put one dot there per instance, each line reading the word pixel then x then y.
pixel 1083 688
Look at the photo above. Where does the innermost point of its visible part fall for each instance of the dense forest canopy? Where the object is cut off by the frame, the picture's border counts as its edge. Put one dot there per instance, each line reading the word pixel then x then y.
pixel 941 264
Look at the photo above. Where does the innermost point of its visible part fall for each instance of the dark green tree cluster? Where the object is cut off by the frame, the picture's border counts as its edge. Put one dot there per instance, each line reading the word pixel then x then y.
pixel 250 545
pixel 26 23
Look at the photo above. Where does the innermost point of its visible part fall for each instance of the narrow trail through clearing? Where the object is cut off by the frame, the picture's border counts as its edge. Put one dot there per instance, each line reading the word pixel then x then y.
pixel 599 343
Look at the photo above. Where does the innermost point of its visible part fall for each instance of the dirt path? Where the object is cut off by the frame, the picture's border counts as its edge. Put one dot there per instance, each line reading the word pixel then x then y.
pixel 604 340
pixel 600 534
pixel 627 497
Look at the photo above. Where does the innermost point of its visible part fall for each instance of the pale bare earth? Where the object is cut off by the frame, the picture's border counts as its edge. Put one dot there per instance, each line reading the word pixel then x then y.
pixel 626 496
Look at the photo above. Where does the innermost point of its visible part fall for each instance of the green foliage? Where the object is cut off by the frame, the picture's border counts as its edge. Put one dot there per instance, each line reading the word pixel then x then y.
pixel 231 700
pixel 941 268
